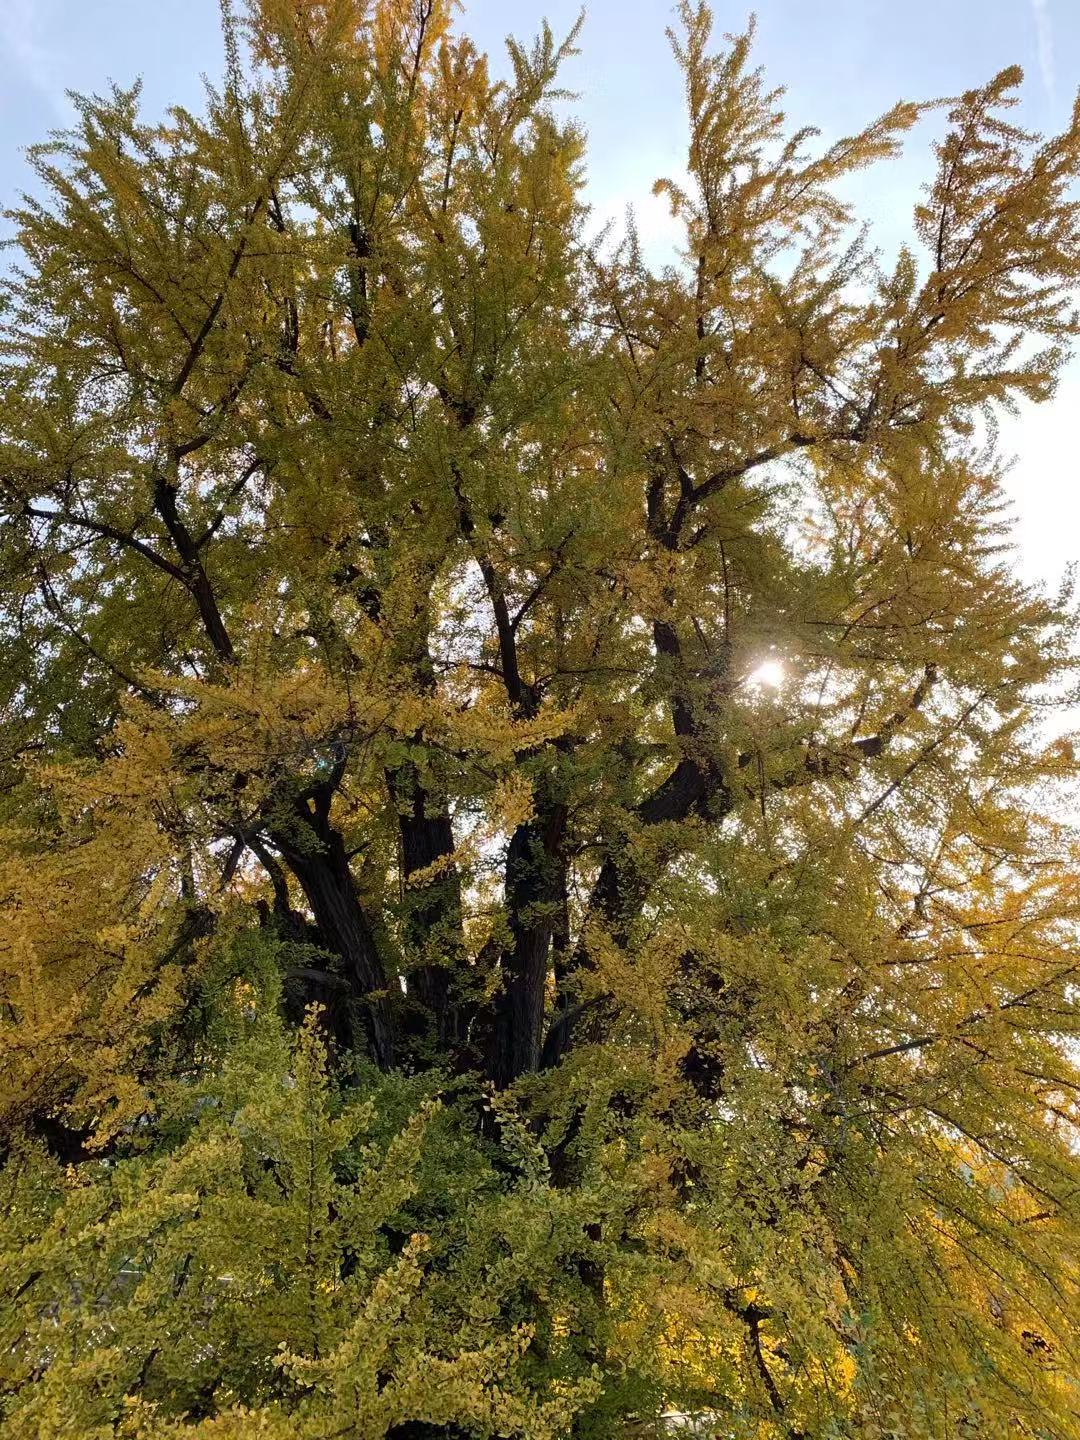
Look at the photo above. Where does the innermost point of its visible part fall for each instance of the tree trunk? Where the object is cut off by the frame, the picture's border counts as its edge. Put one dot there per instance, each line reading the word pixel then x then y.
pixel 433 917
pixel 534 901
pixel 327 882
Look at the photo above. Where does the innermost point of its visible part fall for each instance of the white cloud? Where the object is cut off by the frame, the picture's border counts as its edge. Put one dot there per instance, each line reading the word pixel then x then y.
pixel 1044 36
pixel 1044 483
pixel 23 24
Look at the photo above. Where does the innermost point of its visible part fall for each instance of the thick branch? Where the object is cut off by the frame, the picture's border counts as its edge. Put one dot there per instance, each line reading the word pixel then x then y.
pixel 109 532
pixel 194 573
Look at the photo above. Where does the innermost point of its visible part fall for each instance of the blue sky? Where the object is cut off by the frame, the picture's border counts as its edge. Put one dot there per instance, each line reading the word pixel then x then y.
pixel 842 61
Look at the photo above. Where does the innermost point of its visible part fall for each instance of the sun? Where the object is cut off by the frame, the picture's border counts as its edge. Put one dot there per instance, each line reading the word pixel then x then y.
pixel 769 675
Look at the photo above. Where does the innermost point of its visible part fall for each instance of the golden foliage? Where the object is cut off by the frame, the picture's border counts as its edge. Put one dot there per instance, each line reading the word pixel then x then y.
pixel 605 692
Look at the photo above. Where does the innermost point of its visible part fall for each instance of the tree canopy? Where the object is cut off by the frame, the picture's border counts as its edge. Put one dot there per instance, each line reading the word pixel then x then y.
pixel 538 888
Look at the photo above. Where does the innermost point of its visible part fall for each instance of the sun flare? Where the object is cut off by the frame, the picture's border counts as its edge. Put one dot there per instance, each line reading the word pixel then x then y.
pixel 769 675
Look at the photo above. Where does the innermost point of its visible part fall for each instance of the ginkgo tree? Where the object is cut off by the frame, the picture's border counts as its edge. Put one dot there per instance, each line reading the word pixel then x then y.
pixel 538 883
